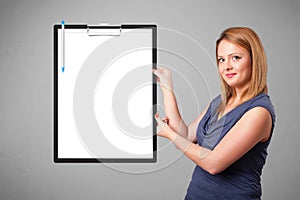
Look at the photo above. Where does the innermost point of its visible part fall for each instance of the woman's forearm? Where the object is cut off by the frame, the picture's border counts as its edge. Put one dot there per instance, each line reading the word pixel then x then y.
pixel 171 110
pixel 170 104
pixel 196 153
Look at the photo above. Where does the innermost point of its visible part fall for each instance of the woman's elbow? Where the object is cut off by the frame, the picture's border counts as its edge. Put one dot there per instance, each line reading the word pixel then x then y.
pixel 208 162
pixel 212 169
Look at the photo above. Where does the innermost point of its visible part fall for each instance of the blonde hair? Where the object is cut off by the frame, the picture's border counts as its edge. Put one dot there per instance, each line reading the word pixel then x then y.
pixel 249 40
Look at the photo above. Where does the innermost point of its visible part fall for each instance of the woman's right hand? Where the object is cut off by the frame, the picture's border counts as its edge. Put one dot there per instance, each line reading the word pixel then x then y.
pixel 164 78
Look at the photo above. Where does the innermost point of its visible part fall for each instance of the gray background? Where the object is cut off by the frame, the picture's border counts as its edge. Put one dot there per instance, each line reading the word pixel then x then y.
pixel 26 57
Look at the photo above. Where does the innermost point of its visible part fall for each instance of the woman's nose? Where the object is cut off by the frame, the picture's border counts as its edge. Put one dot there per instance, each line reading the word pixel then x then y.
pixel 228 66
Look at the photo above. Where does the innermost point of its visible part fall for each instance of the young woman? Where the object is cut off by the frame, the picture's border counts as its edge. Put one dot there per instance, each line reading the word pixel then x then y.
pixel 228 141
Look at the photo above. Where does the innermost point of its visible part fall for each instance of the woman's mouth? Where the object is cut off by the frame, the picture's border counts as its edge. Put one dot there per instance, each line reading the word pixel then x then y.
pixel 230 75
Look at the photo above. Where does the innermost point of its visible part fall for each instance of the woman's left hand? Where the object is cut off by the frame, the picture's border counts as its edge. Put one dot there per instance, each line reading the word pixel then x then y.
pixel 163 129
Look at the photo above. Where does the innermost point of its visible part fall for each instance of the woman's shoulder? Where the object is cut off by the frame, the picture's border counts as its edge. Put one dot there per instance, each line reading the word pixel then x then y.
pixel 216 100
pixel 263 100
pixel 214 104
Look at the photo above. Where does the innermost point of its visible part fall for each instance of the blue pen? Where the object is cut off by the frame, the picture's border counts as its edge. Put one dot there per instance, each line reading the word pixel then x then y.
pixel 63 45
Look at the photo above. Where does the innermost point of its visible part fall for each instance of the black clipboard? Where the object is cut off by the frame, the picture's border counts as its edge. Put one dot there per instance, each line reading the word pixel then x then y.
pixel 100 50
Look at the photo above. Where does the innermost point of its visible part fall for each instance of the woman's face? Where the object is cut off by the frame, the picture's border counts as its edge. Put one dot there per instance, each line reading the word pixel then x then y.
pixel 234 65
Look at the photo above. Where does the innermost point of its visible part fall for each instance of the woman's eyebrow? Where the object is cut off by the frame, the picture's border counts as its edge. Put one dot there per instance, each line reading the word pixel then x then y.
pixel 234 53
pixel 231 54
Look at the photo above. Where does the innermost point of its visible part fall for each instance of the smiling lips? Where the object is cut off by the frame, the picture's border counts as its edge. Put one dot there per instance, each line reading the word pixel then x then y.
pixel 230 75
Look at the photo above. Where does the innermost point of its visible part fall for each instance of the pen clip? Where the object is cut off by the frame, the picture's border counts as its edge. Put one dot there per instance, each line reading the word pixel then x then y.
pixel 63 46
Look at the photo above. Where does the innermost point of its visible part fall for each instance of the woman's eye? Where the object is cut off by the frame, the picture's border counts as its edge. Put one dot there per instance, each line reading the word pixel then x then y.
pixel 220 60
pixel 236 58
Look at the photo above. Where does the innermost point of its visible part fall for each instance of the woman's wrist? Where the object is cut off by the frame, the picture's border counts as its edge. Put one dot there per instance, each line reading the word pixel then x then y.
pixel 167 90
pixel 171 135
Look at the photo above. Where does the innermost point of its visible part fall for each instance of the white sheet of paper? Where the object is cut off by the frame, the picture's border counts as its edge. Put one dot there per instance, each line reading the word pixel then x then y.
pixel 74 143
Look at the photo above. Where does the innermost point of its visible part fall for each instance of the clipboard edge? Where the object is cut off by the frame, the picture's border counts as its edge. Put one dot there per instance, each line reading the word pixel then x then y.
pixel 56 159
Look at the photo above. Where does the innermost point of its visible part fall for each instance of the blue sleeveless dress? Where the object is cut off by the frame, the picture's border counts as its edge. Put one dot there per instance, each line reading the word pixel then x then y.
pixel 241 180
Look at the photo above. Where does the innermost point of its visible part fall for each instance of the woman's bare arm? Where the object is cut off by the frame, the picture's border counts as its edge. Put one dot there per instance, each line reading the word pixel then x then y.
pixel 253 127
